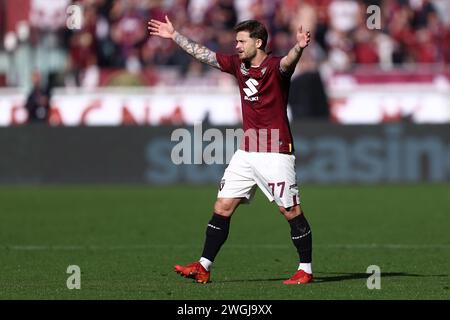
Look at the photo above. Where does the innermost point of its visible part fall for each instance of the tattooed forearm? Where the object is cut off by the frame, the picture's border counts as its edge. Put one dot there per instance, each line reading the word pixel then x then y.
pixel 289 62
pixel 199 52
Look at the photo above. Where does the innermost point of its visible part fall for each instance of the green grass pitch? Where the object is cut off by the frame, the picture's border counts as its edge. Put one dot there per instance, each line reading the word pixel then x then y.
pixel 126 239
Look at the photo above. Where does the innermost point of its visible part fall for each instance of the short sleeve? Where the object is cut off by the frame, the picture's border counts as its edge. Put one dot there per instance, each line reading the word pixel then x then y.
pixel 226 62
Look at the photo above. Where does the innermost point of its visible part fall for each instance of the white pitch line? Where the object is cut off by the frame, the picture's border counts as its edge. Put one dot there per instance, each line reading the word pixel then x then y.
pixel 391 246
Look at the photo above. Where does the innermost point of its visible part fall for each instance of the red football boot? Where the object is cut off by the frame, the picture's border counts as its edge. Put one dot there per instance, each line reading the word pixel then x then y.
pixel 195 271
pixel 300 277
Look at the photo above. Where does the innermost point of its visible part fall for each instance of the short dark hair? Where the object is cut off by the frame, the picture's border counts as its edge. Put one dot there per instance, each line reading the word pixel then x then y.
pixel 256 29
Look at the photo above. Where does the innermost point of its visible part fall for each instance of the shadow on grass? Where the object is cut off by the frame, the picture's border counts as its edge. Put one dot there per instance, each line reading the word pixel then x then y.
pixel 361 275
pixel 249 280
pixel 336 276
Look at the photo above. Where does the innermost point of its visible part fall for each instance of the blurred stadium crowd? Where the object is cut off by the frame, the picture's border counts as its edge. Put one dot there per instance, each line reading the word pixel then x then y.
pixel 114 34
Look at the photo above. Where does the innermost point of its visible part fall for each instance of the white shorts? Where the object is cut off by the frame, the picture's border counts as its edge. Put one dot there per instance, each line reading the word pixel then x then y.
pixel 273 173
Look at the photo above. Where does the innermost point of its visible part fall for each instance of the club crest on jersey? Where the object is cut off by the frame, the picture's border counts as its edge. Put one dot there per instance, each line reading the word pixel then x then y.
pixel 222 183
pixel 244 70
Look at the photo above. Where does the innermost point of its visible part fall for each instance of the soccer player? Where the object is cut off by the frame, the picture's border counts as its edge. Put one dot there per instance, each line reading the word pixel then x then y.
pixel 265 159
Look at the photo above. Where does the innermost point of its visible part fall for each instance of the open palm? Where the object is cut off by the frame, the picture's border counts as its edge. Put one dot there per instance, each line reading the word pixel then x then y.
pixel 303 38
pixel 161 29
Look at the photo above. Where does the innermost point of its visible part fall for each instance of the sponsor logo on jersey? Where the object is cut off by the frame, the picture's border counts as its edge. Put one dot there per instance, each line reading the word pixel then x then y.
pixel 251 90
pixel 222 183
pixel 263 71
pixel 251 87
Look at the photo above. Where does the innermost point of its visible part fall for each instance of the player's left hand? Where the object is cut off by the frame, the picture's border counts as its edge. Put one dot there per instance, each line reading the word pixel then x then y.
pixel 303 38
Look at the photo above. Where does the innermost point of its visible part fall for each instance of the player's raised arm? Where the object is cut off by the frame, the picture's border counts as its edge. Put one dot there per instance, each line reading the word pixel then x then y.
pixel 288 62
pixel 198 51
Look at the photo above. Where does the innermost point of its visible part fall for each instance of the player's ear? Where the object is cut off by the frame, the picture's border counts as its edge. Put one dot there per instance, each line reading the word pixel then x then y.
pixel 258 43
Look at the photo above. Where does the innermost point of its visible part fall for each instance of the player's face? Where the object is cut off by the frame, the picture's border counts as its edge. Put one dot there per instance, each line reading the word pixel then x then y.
pixel 245 46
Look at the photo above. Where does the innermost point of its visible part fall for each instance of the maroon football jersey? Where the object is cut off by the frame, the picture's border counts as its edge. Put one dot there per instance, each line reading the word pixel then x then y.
pixel 264 96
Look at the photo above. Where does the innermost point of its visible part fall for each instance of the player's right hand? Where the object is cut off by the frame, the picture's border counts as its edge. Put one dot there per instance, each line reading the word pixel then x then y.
pixel 158 28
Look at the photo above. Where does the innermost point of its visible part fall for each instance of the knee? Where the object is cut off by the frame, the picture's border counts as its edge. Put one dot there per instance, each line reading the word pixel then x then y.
pixel 291 213
pixel 224 207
